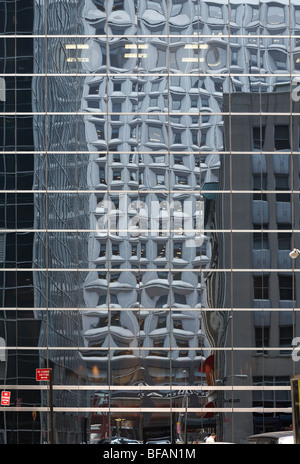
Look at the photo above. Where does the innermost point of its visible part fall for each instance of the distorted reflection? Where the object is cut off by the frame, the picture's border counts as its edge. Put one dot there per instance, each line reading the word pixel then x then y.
pixel 149 201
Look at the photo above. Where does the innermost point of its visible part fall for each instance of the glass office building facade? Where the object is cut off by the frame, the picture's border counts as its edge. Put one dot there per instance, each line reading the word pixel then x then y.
pixel 149 202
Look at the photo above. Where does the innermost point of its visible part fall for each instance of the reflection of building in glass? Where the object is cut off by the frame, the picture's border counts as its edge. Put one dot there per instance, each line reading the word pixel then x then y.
pixel 60 244
pixel 143 314
pixel 266 180
pixel 132 135
pixel 146 326
pixel 18 327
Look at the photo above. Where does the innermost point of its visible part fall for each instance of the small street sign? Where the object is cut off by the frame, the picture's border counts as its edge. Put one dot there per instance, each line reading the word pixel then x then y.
pixel 43 374
pixel 5 398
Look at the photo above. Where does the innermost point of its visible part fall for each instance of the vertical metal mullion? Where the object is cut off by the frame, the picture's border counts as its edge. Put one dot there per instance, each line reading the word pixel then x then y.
pixel 109 370
pixel 230 206
pixel 139 137
pixel 169 221
pixel 47 280
pixel 292 160
pixel 16 206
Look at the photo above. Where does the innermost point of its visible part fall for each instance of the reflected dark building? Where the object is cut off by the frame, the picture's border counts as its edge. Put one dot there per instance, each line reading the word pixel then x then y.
pixel 19 328
pixel 150 201
pixel 268 184
pixel 60 252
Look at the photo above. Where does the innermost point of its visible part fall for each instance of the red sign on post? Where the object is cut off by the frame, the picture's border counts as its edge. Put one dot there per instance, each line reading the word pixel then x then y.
pixel 43 374
pixel 5 398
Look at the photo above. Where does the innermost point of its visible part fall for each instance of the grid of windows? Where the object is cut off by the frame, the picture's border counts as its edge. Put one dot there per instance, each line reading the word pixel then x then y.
pixel 149 201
